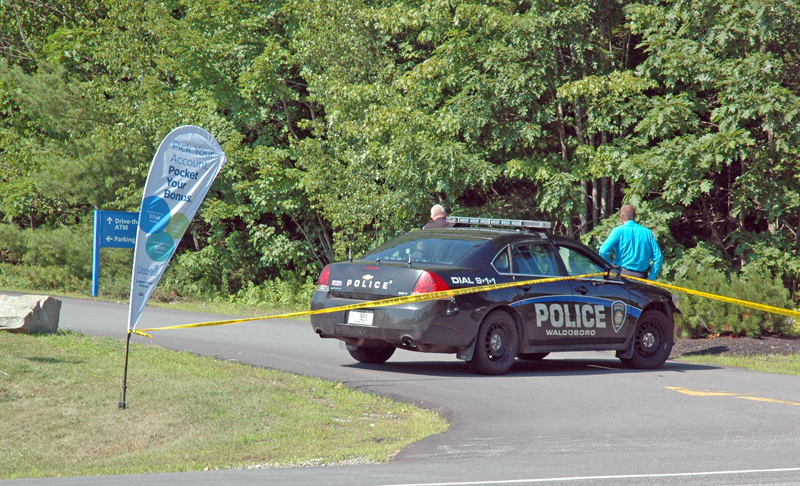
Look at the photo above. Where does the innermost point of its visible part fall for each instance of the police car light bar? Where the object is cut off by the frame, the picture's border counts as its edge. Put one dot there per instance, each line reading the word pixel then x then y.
pixel 514 223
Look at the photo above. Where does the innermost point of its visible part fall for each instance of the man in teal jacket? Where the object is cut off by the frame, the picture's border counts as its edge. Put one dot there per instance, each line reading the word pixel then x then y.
pixel 633 246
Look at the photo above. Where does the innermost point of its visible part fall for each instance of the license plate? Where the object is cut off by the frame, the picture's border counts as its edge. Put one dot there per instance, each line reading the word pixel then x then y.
pixel 360 318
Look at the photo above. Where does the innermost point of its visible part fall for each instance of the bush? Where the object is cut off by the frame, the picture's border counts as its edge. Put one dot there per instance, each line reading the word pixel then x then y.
pixel 12 247
pixel 193 275
pixel 288 293
pixel 22 277
pixel 69 247
pixel 60 259
pixel 688 261
pixel 115 272
pixel 57 259
pixel 705 316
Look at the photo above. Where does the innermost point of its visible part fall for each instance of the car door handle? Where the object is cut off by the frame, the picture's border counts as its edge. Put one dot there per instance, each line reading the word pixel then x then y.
pixel 525 288
pixel 582 290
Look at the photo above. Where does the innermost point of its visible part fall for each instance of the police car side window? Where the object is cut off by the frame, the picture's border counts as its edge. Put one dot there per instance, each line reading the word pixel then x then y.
pixel 501 262
pixel 577 262
pixel 534 260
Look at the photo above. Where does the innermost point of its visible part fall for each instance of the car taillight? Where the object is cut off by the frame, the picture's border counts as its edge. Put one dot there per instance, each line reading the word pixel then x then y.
pixel 324 279
pixel 429 282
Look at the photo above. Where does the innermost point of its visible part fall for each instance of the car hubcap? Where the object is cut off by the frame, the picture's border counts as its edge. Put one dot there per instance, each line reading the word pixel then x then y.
pixel 495 348
pixel 648 340
pixel 496 343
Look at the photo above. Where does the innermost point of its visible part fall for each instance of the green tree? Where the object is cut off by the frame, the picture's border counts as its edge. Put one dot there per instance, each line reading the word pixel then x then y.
pixel 344 121
pixel 718 141
pixel 81 134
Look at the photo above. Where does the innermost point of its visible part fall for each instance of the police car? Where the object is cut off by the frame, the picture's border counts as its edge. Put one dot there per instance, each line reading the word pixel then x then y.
pixel 492 328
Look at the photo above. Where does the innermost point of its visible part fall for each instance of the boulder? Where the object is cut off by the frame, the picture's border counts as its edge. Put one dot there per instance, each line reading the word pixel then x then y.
pixel 29 313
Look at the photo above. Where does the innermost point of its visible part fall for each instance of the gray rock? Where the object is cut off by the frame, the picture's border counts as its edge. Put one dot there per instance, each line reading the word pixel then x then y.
pixel 29 313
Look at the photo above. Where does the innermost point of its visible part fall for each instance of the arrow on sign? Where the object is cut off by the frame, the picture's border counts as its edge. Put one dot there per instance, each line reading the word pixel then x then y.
pixel 110 220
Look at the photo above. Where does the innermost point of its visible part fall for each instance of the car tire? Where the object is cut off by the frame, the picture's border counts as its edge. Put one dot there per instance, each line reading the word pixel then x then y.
pixel 652 341
pixel 532 356
pixel 496 344
pixel 372 355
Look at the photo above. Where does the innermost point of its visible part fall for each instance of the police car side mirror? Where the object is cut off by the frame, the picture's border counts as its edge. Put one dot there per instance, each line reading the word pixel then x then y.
pixel 613 272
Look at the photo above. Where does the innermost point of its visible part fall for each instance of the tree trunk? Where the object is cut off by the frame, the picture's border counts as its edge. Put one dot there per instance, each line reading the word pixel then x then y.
pixel 714 233
pixel 797 238
pixel 611 194
pixel 585 214
pixel 562 132
pixel 195 239
pixel 585 204
pixel 604 184
pixel 595 201
pixel 604 197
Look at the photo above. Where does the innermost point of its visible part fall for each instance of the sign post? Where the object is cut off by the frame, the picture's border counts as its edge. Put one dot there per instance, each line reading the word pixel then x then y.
pixel 112 229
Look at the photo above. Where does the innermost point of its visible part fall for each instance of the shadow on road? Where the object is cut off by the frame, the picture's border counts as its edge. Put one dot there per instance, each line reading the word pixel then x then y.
pixel 545 367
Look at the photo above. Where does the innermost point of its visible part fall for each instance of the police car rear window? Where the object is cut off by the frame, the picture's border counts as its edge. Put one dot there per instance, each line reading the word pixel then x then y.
pixel 435 251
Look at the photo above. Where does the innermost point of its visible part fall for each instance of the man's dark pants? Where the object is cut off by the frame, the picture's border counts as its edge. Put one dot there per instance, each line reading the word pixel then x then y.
pixel 633 273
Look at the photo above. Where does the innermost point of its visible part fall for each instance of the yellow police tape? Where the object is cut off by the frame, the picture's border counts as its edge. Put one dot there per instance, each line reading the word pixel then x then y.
pixel 471 290
pixel 377 303
pixel 730 300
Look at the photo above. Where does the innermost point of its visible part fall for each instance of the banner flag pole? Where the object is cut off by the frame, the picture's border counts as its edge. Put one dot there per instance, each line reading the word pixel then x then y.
pixel 122 405
pixel 184 167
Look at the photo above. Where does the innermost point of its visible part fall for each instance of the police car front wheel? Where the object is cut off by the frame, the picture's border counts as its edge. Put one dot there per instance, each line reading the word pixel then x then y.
pixel 652 341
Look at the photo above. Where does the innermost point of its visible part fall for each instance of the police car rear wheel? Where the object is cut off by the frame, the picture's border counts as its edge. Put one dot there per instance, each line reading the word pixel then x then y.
pixel 651 341
pixel 496 345
pixel 372 355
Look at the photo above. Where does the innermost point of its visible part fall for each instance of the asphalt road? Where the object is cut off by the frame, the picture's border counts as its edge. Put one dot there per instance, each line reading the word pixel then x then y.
pixel 574 418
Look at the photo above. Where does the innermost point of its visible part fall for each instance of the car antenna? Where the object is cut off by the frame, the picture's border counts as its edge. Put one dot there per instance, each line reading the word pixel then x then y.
pixel 350 255
pixel 378 260
pixel 409 260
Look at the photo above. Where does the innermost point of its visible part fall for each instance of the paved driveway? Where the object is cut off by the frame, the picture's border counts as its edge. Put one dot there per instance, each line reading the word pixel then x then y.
pixel 574 418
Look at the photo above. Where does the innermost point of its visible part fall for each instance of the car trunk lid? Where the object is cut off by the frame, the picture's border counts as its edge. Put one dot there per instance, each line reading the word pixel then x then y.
pixel 371 281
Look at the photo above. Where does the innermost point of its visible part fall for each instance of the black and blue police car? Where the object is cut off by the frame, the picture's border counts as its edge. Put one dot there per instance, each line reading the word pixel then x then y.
pixel 490 329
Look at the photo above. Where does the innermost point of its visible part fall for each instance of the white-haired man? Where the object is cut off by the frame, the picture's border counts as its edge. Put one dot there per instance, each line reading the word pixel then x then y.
pixel 438 218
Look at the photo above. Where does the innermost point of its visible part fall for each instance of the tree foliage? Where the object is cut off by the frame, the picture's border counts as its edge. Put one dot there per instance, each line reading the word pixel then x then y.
pixel 345 120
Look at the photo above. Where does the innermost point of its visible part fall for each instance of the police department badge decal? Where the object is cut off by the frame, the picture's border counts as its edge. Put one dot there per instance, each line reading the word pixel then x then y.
pixel 618 312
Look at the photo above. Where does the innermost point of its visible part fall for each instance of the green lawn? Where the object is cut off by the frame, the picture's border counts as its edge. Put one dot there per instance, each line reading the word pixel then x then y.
pixel 59 413
pixel 784 364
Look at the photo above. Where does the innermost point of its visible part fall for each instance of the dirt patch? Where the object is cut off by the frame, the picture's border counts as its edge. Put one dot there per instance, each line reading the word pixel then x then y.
pixel 737 346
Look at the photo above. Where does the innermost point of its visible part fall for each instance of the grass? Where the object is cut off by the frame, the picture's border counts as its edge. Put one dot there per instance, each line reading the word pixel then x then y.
pixel 783 364
pixel 227 308
pixel 59 414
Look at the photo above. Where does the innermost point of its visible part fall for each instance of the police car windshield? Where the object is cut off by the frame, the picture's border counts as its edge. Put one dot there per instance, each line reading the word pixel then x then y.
pixel 438 250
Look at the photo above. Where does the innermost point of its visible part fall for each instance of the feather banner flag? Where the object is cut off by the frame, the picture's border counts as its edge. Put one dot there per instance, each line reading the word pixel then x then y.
pixel 183 169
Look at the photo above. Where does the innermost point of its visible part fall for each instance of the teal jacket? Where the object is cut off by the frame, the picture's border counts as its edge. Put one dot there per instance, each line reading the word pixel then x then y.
pixel 633 247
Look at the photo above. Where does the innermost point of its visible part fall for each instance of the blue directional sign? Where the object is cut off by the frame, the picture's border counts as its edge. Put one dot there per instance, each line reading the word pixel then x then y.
pixel 117 229
pixel 113 229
